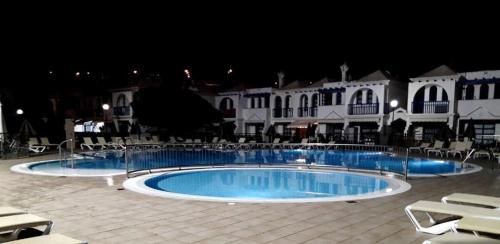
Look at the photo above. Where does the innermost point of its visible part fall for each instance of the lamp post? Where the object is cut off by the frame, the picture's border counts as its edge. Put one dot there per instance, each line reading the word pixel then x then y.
pixel 105 108
pixel 394 104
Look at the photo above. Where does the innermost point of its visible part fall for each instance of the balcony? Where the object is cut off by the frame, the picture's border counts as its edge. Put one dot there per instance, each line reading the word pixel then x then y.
pixel 121 111
pixel 307 111
pixel 282 112
pixel 431 107
pixel 362 109
pixel 229 113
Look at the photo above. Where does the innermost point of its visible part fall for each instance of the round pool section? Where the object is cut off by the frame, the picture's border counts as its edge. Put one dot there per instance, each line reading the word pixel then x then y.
pixel 88 167
pixel 266 185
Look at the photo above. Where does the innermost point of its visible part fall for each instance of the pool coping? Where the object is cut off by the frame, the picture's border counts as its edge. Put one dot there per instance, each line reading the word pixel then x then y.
pixel 137 184
pixel 24 168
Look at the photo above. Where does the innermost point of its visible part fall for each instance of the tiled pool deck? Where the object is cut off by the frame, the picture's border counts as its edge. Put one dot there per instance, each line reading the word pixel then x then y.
pixel 89 209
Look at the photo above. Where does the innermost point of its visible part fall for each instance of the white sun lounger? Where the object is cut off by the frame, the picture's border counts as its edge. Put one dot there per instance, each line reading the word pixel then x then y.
pixel 478 225
pixel 7 211
pixel 456 238
pixel 87 142
pixel 34 146
pixel 436 227
pixel 437 148
pixel 13 224
pixel 49 239
pixel 474 199
pixel 419 148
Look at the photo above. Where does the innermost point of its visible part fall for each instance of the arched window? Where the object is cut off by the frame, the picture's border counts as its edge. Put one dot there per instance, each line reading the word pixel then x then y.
pixel 304 101
pixel 497 91
pixel 121 101
pixel 314 102
pixel 483 91
pixel 433 93
pixel 359 97
pixel 226 104
pixel 277 102
pixel 445 96
pixel 369 96
pixel 469 92
pixel 260 102
pixel 287 101
pixel 338 98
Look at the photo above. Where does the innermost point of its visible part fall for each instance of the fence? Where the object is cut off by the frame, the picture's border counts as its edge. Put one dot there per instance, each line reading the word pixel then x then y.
pixel 148 157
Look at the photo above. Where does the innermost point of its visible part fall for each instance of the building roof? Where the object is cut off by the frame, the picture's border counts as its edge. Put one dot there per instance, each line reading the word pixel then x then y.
pixel 294 85
pixel 376 76
pixel 321 82
pixel 442 70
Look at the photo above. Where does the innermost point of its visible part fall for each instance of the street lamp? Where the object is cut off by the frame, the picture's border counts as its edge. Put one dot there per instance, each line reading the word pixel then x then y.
pixel 105 107
pixel 394 104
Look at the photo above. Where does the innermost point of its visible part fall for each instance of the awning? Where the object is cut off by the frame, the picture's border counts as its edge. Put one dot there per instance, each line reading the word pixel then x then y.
pixel 301 123
pixel 332 90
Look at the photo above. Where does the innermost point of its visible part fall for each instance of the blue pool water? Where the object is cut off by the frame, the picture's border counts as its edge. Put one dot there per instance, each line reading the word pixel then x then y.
pixel 267 183
pixel 175 158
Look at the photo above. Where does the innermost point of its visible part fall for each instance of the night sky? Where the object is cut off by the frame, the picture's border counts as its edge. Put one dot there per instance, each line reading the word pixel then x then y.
pixel 307 48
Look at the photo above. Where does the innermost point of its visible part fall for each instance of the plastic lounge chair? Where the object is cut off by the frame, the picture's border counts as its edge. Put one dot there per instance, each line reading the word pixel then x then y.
pixel 454 238
pixel 437 148
pixel 478 225
pixel 7 211
pixel 420 147
pixel 457 148
pixel 118 142
pixel 156 140
pixel 14 224
pixel 34 146
pixel 473 199
pixel 215 140
pixel 52 239
pixel 480 153
pixel 89 144
pixel 439 227
pixel 46 142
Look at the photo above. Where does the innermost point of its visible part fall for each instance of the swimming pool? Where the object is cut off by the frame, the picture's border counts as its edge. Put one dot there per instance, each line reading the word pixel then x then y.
pixel 112 162
pixel 266 185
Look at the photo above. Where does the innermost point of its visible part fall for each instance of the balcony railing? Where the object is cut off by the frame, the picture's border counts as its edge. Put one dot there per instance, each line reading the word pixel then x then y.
pixel 287 112
pixel 361 109
pixel 121 111
pixel 229 113
pixel 307 111
pixel 277 112
pixel 431 107
pixel 282 112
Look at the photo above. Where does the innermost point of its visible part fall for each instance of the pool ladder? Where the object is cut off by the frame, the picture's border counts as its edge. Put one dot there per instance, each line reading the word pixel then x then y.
pixel 63 154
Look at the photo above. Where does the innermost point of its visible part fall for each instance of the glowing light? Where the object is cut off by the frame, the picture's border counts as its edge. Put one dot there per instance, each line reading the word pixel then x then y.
pixel 88 73
pixel 394 103
pixel 135 72
pixel 19 112
pixel 188 73
pixel 230 71
pixel 105 106
pixel 51 72
pixel 77 74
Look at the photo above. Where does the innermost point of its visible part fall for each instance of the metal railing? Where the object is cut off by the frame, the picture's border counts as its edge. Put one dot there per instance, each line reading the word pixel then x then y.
pixel 64 155
pixel 121 111
pixel 176 156
pixel 307 111
pixel 430 107
pixel 361 109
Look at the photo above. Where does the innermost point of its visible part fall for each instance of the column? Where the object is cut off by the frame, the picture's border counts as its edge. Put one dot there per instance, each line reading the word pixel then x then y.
pixel 439 96
pixel 365 96
pixel 476 91
pixel 491 90
pixel 426 93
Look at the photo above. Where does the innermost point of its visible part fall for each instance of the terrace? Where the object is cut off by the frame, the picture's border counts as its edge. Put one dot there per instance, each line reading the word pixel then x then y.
pixel 92 209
